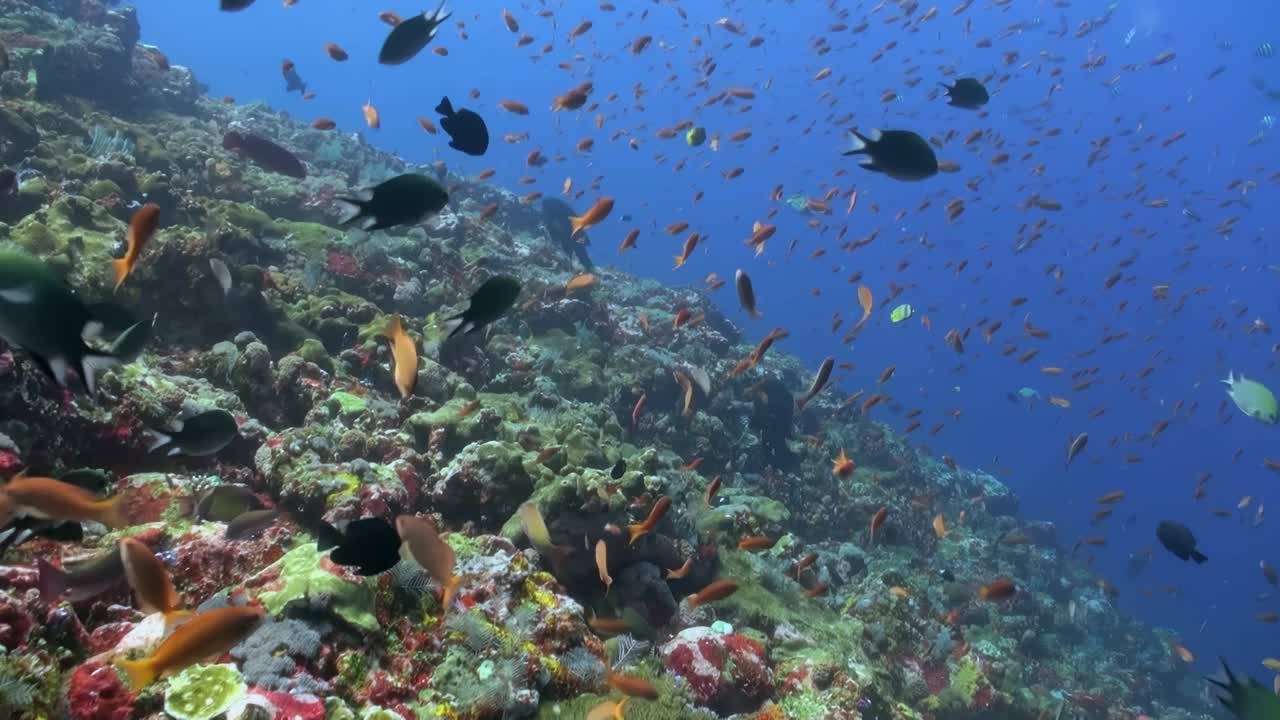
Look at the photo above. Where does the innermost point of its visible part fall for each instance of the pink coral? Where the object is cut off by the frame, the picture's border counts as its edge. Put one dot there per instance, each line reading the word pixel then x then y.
pixel 15 623
pixel 343 264
pixel 728 673
pixel 95 692
pixel 291 707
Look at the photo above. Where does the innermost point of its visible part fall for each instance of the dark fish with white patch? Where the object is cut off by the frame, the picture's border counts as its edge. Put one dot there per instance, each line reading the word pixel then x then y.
pixel 467 131
pixel 746 294
pixel 489 302
pixel 967 93
pixel 41 315
pixel 900 154
pixel 265 154
pixel 226 503
pixel 370 545
pixel 251 523
pixel 80 580
pixel 234 5
pixel 409 37
pixel 403 200
pixel 197 436
pixel 1177 539
pixel 819 382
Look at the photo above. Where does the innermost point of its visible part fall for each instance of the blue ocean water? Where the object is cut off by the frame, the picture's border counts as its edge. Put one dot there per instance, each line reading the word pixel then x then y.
pixel 1043 69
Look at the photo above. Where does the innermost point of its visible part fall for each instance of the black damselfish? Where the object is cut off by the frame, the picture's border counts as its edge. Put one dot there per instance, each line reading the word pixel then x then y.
pixel 409 37
pixel 488 303
pixel 467 131
pixel 402 200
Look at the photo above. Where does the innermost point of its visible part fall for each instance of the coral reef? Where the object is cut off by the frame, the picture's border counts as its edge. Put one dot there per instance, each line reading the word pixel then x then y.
pixel 539 409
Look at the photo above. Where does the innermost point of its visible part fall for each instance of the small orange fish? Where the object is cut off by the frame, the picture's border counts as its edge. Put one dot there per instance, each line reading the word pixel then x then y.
pixel 756 543
pixel 371 117
pixel 712 488
pixel 208 634
pixel 323 124
pixel 629 241
pixel 999 589
pixel 602 565
pixel 939 526
pixel 580 281
pixel 334 51
pixel 656 514
pixel 592 217
pixel 876 521
pixel 469 408
pixel 680 572
pixel 717 590
pixel 404 353
pixel 842 466
pixel 53 499
pixel 514 107
pixel 632 686
pixel 427 125
pixel 150 581
pixel 436 556
pixel 142 226
pixel 608 710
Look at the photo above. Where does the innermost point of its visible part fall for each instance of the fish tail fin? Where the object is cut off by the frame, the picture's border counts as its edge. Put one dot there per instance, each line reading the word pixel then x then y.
pixel 93 364
pixel 636 532
pixel 1231 378
pixel 450 590
pixel 52 581
pixel 113 514
pixel 439 16
pixel 140 673
pixel 445 107
pixel 679 262
pixel 158 440
pixel 459 325
pixel 578 223
pixel 353 209
pixel 1199 557
pixel 120 268
pixel 857 143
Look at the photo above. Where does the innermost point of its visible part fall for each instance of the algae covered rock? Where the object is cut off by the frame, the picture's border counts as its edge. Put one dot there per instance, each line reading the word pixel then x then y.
pixel 203 692
pixel 305 580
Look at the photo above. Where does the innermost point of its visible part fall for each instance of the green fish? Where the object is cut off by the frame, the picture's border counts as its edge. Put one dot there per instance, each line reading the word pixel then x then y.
pixel 1253 398
pixel 798 202
pixel 41 315
pixel 696 136
pixel 1249 700
pixel 902 312
pixel 1028 393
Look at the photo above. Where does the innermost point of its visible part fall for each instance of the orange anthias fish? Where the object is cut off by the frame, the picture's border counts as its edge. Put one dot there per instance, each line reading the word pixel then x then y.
pixel 592 217
pixel 150 580
pixel 580 281
pixel 718 590
pixel 142 226
pixel 756 543
pixel 371 117
pixel 660 509
pixel 56 500
pixel 404 352
pixel 637 410
pixel 608 710
pixel 687 386
pixel 876 521
pixel 690 243
pixel 602 565
pixel 431 552
pixel 632 686
pixel 842 466
pixel 208 634
pixel 939 526
pixel 999 589
pixel 864 299
pixel 712 488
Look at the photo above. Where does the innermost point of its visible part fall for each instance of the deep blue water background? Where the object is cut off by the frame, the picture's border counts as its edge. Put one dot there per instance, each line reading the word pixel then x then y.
pixel 239 55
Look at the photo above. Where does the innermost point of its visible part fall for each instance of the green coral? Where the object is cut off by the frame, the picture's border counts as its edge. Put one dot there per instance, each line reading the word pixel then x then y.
pixel 347 404
pixel 202 692
pixel 302 579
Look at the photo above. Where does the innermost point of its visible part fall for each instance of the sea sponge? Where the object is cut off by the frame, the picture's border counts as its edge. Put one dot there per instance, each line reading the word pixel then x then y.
pixel 202 692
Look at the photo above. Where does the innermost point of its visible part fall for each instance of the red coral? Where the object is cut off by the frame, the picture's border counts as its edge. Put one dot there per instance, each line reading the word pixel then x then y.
pixel 937 677
pixel 95 692
pixel 10 463
pixel 289 707
pixel 15 624
pixel 343 264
